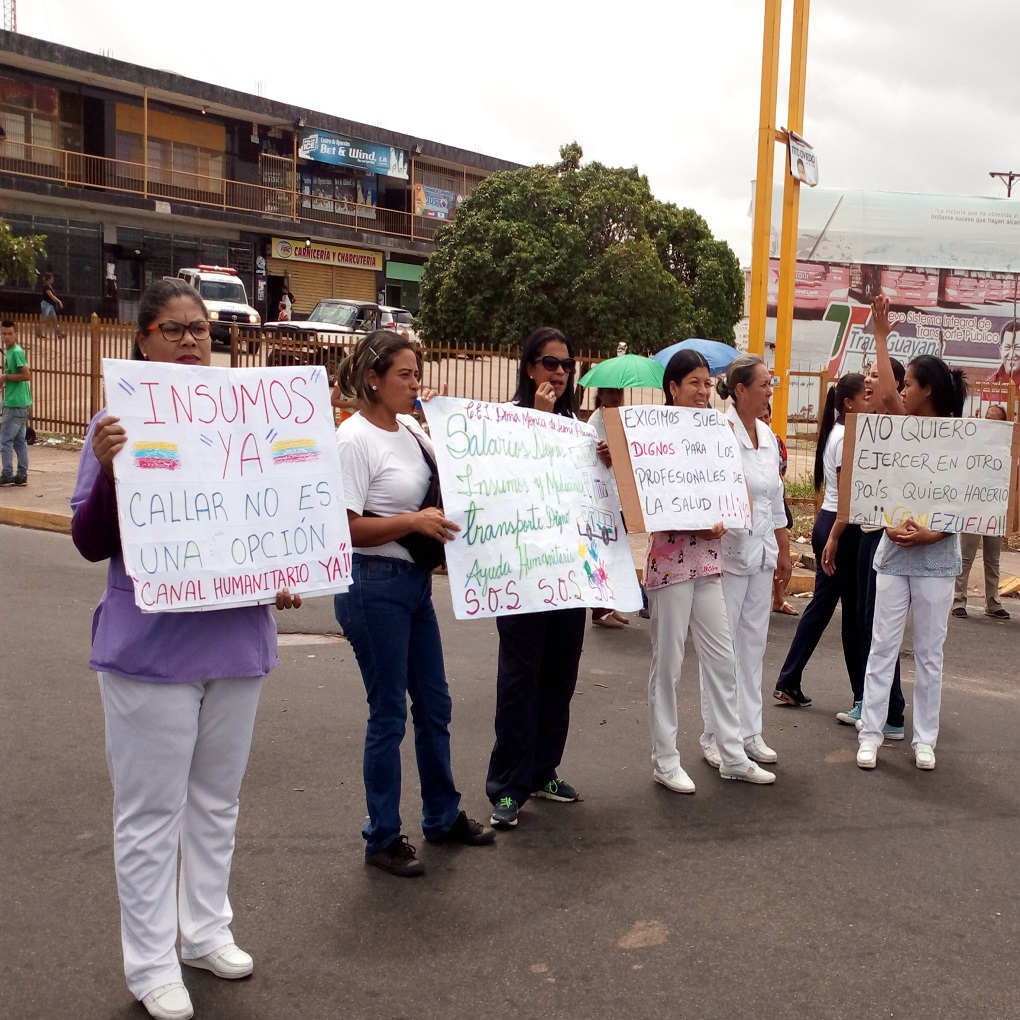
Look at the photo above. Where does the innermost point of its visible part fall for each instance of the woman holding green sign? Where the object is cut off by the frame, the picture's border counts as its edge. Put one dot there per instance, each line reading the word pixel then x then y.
pixel 539 653
pixel 916 567
pixel 683 577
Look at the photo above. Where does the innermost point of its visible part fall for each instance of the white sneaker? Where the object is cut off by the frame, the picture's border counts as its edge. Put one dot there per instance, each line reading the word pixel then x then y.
pixel 758 750
pixel 169 1002
pixel 227 962
pixel 749 772
pixel 924 756
pixel 678 781
pixel 712 755
pixel 867 755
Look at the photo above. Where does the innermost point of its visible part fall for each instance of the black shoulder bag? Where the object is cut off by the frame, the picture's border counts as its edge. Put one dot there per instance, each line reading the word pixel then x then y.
pixel 427 552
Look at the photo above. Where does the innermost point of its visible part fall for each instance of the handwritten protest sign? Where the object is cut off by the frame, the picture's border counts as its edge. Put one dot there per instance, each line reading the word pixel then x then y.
pixel 948 474
pixel 229 487
pixel 540 526
pixel 677 468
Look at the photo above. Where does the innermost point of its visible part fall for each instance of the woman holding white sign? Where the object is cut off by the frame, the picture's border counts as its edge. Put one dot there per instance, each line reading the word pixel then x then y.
pixel 916 567
pixel 751 561
pixel 539 653
pixel 685 593
pixel 179 691
pixel 398 530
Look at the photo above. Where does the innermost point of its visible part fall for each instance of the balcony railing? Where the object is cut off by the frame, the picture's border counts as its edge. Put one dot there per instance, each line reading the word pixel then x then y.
pixel 81 170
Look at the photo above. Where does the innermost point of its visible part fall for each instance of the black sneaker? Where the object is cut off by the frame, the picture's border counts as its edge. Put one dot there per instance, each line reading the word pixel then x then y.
pixel 797 697
pixel 558 790
pixel 398 859
pixel 6 479
pixel 21 480
pixel 504 813
pixel 467 831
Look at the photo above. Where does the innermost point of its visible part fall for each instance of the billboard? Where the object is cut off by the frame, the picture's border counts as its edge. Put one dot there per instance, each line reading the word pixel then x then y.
pixel 327 147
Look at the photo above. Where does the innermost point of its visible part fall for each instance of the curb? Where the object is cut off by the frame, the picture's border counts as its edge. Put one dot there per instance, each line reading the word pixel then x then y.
pixel 40 520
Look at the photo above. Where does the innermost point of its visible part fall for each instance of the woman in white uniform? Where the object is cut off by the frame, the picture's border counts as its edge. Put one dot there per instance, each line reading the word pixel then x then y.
pixel 751 560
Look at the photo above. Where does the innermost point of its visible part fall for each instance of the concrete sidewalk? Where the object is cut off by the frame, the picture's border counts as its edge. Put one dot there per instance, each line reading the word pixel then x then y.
pixel 45 503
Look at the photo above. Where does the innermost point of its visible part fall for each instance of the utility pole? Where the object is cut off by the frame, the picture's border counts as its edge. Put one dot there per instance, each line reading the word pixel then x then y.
pixel 763 180
pixel 10 15
pixel 1007 177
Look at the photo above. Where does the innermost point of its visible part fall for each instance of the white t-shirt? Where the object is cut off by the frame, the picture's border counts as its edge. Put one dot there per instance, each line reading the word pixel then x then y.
pixel 383 472
pixel 832 460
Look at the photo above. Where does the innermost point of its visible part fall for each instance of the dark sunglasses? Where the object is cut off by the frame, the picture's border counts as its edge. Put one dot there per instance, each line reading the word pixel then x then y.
pixel 550 364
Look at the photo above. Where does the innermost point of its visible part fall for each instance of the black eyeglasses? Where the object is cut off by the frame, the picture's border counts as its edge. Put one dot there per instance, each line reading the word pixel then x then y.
pixel 174 331
pixel 550 364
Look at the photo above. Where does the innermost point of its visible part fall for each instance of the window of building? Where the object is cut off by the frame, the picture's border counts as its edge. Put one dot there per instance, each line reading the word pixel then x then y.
pixel 176 165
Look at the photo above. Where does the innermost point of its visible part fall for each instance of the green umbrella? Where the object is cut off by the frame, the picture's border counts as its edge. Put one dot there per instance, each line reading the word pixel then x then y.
pixel 623 372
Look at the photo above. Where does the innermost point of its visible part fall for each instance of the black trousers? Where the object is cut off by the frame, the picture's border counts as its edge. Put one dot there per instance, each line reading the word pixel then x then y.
pixel 840 588
pixel 866 614
pixel 537 672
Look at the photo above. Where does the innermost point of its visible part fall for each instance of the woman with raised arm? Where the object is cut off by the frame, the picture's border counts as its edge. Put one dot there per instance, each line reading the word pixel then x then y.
pixel 751 561
pixel 398 530
pixel 685 593
pixel 871 534
pixel 179 691
pixel 916 567
pixel 846 397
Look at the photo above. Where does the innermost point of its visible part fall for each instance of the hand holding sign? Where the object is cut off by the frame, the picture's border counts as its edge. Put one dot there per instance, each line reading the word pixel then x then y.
pixel 228 484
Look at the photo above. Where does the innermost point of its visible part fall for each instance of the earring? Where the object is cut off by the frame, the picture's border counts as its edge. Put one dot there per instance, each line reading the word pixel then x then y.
pixel 375 387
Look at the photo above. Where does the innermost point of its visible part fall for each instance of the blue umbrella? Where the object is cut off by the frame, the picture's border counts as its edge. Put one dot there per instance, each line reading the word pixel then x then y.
pixel 718 355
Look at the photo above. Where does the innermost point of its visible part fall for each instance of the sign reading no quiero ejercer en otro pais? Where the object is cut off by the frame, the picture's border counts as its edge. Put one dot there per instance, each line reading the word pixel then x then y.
pixel 947 474
pixel 229 487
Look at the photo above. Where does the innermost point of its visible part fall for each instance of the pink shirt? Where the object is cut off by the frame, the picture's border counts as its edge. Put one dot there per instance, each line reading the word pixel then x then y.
pixel 675 556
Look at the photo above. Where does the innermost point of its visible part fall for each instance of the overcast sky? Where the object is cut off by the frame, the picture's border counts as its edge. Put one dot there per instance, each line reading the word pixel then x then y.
pixel 902 95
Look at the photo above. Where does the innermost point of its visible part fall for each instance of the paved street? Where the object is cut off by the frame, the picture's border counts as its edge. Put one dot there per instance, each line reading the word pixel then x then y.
pixel 835 893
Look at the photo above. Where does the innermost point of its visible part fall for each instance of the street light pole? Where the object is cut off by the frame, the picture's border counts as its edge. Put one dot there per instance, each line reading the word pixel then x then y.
pixel 788 237
pixel 763 180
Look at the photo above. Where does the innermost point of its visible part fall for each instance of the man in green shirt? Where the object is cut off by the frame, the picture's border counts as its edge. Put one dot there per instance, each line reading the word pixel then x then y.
pixel 17 403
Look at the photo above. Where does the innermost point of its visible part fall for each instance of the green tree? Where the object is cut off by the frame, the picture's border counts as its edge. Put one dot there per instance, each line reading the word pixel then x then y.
pixel 20 256
pixel 588 249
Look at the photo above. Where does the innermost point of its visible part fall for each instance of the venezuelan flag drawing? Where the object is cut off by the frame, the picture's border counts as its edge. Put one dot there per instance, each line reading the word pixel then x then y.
pixel 294 451
pixel 156 456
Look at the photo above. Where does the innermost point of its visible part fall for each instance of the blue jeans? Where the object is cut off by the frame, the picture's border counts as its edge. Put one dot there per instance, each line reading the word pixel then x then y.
pixel 13 426
pixel 388 617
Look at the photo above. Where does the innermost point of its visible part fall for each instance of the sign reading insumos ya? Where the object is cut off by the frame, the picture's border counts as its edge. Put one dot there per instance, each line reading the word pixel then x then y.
pixel 326 254
pixel 948 474
pixel 540 525
pixel 229 486
pixel 677 468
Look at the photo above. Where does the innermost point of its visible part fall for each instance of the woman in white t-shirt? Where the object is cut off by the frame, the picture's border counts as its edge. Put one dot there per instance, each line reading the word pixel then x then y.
pixel 846 397
pixel 397 523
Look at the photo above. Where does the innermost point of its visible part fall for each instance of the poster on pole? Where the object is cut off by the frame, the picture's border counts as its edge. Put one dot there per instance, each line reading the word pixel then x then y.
pixel 803 161
pixel 677 468
pixel 948 474
pixel 540 524
pixel 229 487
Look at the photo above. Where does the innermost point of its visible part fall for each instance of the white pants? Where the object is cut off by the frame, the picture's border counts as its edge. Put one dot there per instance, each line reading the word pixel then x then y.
pixel 748 607
pixel 699 606
pixel 930 599
pixel 176 754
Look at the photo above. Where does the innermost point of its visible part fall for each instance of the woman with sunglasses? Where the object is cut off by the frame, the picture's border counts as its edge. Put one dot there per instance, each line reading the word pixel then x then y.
pixel 683 578
pixel 179 692
pixel 538 652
